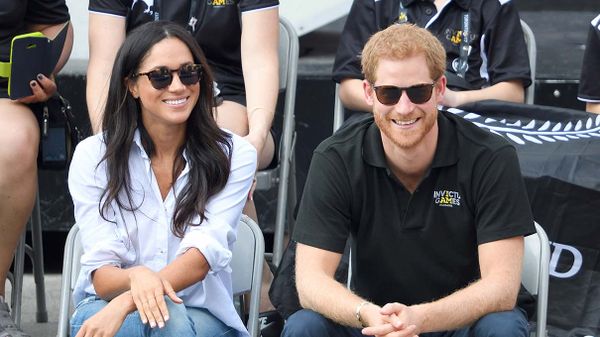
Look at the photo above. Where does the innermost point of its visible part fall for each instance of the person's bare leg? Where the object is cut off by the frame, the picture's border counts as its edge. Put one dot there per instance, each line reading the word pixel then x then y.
pixel 19 138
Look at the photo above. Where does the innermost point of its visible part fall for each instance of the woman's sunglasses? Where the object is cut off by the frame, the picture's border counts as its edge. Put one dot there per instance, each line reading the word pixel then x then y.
pixel 163 77
pixel 390 95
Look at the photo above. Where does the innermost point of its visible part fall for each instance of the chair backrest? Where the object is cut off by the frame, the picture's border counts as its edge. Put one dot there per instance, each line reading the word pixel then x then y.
pixel 535 274
pixel 532 52
pixel 338 109
pixel 246 264
pixel 283 175
pixel 70 272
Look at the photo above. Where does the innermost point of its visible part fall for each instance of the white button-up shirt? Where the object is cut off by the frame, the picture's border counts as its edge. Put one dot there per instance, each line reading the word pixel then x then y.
pixel 144 236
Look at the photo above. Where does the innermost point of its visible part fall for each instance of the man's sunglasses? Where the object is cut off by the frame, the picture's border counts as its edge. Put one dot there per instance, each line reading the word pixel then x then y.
pixel 163 77
pixel 390 95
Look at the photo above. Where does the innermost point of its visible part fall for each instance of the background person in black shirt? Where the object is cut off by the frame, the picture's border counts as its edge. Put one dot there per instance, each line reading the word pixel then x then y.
pixel 19 131
pixel 488 62
pixel 589 84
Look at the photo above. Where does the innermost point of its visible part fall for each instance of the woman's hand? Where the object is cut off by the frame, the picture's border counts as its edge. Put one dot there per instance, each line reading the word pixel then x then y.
pixel 106 322
pixel 42 88
pixel 148 289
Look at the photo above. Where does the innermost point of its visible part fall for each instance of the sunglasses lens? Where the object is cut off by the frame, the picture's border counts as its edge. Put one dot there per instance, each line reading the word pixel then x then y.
pixel 160 78
pixel 189 74
pixel 388 95
pixel 419 94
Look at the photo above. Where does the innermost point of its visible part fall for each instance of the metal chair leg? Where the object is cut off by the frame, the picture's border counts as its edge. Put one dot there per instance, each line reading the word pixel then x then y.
pixel 17 284
pixel 37 257
pixel 36 254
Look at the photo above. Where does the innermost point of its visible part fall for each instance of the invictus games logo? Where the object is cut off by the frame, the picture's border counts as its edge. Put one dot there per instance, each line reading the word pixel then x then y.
pixel 219 3
pixel 402 18
pixel 445 198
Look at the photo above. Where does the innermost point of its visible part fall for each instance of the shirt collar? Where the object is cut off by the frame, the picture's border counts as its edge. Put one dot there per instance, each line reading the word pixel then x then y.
pixel 446 153
pixel 464 4
pixel 137 140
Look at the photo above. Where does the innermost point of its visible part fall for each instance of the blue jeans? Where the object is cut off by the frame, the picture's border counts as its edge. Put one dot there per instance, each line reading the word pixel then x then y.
pixel 183 321
pixel 307 323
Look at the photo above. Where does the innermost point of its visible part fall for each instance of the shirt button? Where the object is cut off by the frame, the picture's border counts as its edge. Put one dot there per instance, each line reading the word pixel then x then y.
pixel 428 11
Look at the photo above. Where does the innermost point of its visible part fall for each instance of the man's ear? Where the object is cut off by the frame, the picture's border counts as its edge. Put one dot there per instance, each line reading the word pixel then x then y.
pixel 369 92
pixel 440 85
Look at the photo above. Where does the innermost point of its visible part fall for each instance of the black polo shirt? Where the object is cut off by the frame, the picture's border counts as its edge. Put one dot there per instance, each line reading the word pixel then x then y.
pixel 16 15
pixel 589 84
pixel 498 51
pixel 218 30
pixel 417 247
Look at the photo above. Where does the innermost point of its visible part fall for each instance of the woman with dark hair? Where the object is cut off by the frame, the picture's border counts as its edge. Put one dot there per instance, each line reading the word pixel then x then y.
pixel 158 196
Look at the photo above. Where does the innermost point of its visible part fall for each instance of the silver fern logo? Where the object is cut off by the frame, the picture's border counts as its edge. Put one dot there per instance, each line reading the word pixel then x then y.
pixel 535 131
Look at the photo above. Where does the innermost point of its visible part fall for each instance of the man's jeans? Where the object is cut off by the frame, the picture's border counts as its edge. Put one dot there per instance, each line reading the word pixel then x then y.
pixel 307 323
pixel 183 321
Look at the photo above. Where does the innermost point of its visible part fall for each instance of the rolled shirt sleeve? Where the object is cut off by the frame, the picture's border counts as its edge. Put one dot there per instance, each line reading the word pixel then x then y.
pixel 103 242
pixel 216 235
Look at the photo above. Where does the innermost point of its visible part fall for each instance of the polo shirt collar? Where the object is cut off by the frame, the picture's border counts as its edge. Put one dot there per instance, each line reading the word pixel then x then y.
pixel 464 4
pixel 446 152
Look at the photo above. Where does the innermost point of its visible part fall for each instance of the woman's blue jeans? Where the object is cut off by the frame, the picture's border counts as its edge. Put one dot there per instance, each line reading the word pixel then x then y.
pixel 183 321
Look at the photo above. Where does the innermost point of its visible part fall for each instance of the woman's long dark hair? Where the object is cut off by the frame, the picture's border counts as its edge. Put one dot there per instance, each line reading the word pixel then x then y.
pixel 208 148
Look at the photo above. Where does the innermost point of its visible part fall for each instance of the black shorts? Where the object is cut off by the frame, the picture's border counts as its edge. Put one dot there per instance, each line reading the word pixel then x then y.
pixel 4 88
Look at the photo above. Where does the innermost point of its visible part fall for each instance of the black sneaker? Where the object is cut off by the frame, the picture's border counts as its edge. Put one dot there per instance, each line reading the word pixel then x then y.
pixel 271 324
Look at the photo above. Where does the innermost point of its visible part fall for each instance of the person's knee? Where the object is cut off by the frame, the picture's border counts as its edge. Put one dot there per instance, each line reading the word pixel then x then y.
pixel 502 324
pixel 207 325
pixel 306 323
pixel 85 309
pixel 19 140
pixel 179 323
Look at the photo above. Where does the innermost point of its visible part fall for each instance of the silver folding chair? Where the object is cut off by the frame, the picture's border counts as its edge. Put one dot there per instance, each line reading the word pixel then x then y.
pixel 36 254
pixel 535 274
pixel 246 264
pixel 283 176
pixel 532 52
pixel 248 253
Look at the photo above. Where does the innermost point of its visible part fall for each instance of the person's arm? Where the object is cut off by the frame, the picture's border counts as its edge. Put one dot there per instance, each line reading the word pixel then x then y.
pixel 360 25
pixel 511 91
pixel 500 265
pixel 589 80
pixel 317 288
pixel 51 31
pixel 592 107
pixel 352 95
pixel 106 34
pixel 260 67
pixel 108 321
